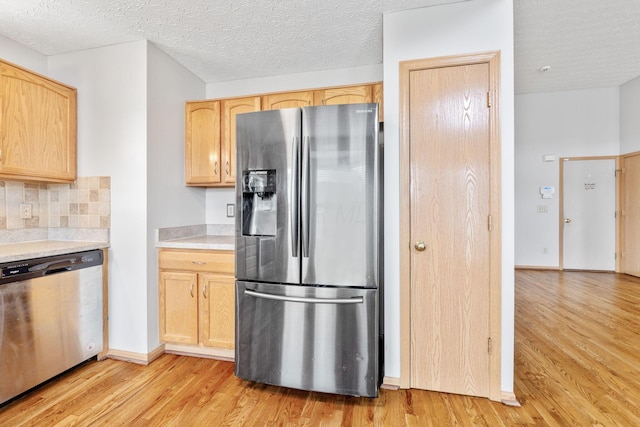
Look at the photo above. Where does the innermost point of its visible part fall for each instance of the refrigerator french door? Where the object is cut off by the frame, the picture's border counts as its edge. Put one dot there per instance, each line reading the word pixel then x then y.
pixel 308 233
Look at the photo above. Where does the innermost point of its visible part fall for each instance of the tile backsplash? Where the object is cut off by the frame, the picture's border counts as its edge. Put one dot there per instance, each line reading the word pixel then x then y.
pixel 84 204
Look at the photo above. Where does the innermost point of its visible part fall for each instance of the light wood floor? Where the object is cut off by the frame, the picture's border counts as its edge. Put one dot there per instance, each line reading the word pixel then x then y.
pixel 577 362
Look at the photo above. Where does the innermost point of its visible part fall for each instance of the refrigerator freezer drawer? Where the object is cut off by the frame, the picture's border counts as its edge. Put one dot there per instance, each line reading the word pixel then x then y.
pixel 310 338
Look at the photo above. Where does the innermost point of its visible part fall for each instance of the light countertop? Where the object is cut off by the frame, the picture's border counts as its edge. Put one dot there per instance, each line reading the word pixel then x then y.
pixel 212 242
pixel 203 236
pixel 10 252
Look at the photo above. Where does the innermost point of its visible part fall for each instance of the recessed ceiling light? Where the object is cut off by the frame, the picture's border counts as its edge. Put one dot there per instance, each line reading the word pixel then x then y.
pixel 545 68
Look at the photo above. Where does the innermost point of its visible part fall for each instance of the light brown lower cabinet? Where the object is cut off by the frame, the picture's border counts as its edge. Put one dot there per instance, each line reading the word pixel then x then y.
pixel 197 300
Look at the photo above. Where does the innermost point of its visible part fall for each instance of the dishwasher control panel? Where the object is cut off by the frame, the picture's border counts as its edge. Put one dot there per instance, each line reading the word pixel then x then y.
pixel 38 267
pixel 14 270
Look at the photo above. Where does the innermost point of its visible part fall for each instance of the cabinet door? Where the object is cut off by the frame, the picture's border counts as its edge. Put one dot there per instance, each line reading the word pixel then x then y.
pixel 202 143
pixel 38 129
pixel 231 108
pixel 287 100
pixel 179 307
pixel 217 308
pixel 343 95
pixel 376 91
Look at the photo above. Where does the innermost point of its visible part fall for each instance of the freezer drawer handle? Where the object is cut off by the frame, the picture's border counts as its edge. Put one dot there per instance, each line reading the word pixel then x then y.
pixel 354 300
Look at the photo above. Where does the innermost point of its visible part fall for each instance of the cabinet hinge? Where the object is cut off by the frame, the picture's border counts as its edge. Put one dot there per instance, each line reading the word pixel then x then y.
pixel 488 99
pixel 489 223
pixel 490 345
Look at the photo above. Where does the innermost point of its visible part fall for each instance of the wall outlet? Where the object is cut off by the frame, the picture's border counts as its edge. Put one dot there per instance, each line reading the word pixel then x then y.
pixel 231 210
pixel 25 211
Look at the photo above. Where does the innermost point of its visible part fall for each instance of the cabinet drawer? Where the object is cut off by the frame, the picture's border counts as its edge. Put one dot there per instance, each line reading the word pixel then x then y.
pixel 196 260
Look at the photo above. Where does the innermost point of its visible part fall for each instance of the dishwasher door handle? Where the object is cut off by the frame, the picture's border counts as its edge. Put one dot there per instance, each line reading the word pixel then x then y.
pixel 59 267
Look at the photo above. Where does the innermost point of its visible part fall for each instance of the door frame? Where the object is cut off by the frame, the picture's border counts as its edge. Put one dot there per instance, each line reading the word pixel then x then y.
pixel 621 206
pixel 561 207
pixel 492 58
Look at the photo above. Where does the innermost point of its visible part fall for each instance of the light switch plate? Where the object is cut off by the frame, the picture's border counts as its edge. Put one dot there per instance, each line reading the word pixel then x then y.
pixel 231 210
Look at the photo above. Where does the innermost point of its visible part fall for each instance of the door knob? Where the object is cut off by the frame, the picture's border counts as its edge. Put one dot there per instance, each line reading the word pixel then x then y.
pixel 420 246
pixel 567 220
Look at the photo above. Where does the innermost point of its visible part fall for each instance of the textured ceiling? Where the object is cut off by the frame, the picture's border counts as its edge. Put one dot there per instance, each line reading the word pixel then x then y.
pixel 587 43
pixel 218 40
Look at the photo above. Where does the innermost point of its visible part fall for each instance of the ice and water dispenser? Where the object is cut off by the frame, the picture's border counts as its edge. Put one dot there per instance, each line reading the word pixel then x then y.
pixel 259 203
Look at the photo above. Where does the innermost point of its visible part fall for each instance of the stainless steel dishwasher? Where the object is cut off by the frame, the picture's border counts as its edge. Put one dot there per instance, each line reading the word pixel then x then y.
pixel 50 318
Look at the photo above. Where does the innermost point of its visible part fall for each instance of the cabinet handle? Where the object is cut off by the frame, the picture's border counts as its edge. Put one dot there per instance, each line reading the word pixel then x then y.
pixel 204 291
pixel 198 262
pixel 226 169
pixel 191 290
pixel 215 168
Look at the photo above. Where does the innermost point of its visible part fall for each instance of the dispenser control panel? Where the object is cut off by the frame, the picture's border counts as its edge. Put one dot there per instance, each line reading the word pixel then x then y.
pixel 259 203
pixel 262 181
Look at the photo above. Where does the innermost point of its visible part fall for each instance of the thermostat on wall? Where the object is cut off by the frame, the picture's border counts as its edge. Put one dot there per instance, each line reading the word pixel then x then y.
pixel 547 191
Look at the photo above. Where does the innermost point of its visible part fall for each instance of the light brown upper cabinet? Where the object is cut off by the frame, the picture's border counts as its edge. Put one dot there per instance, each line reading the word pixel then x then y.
pixel 343 95
pixel 230 109
pixel 377 94
pixel 210 126
pixel 351 95
pixel 38 127
pixel 210 140
pixel 202 143
pixel 276 101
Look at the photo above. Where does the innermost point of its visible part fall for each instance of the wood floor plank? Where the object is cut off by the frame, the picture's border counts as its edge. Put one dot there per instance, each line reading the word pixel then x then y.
pixel 577 359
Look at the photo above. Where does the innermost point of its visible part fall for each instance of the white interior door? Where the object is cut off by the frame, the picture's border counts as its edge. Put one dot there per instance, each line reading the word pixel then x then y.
pixel 589 206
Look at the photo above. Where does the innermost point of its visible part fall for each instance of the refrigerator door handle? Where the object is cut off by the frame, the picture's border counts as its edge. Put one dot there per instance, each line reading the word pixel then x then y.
pixel 305 197
pixel 293 197
pixel 354 300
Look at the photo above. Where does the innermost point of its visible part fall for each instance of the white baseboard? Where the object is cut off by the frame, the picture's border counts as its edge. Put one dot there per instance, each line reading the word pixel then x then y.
pixel 509 398
pixel 390 383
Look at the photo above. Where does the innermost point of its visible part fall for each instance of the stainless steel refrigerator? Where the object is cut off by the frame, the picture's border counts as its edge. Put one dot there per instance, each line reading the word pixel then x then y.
pixel 308 249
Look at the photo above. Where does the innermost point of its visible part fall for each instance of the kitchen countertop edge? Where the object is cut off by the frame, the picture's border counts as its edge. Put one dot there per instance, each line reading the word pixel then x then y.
pixel 200 237
pixel 206 242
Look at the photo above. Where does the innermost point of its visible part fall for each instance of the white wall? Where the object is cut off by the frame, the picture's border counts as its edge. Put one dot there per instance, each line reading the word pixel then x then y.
pixel 468 27
pixel 301 81
pixel 131 127
pixel 169 202
pixel 21 55
pixel 218 198
pixel 112 141
pixel 565 124
pixel 630 116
